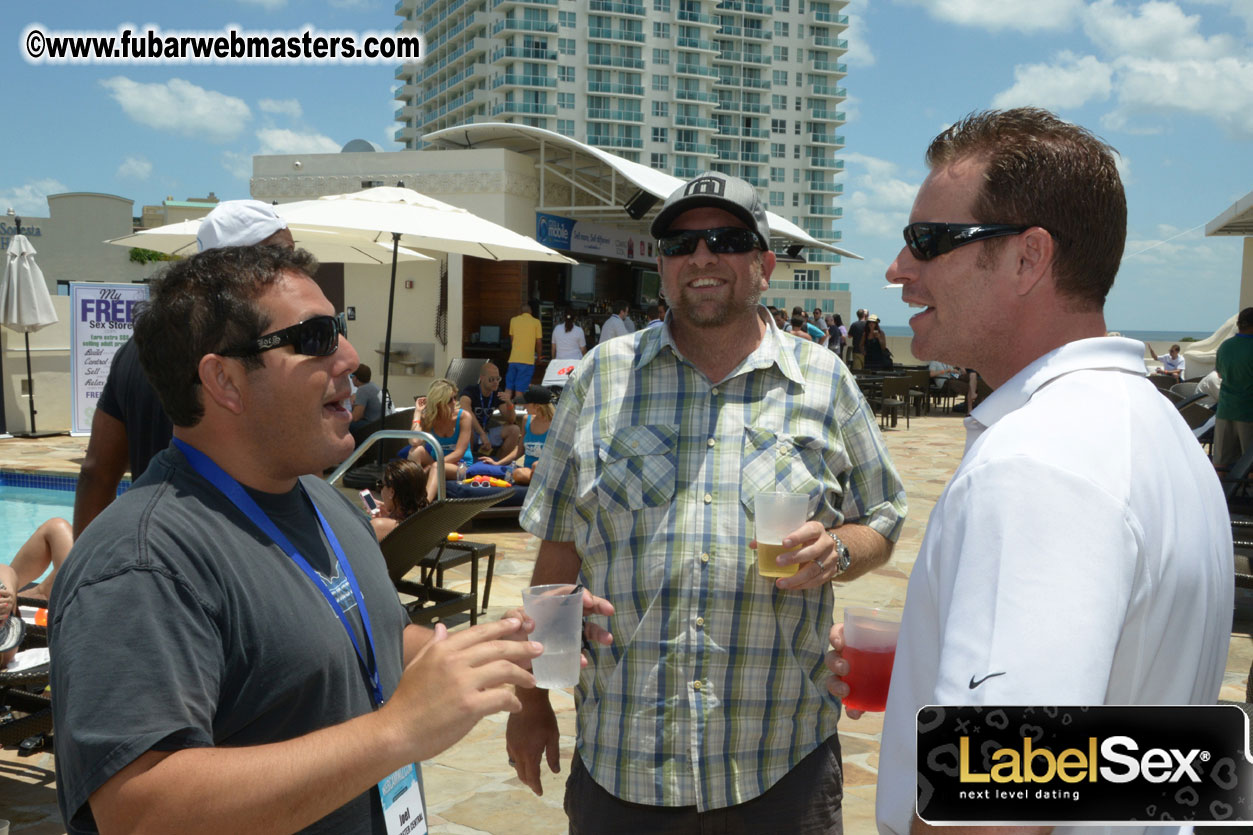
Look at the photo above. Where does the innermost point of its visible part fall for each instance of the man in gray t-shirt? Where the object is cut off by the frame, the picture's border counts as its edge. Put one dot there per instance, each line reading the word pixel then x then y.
pixel 367 404
pixel 227 649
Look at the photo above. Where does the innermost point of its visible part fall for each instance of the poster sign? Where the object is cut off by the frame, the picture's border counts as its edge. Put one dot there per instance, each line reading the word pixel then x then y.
pixel 588 238
pixel 101 320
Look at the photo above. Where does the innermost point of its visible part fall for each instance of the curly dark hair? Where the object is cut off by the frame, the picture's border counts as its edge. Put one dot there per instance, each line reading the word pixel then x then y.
pixel 1042 171
pixel 204 305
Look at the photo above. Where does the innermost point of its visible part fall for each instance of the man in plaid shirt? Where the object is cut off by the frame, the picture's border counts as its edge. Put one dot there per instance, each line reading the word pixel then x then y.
pixel 710 707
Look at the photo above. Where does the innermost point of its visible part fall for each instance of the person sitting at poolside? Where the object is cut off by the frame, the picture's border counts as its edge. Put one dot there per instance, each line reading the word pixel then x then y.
pixel 404 492
pixel 1173 363
pixel 539 416
pixel 47 546
pixel 451 425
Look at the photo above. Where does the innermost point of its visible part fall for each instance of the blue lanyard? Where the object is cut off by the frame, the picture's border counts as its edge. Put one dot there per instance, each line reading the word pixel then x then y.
pixel 232 489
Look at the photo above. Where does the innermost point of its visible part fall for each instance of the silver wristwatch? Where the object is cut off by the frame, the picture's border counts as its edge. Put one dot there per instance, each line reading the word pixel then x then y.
pixel 842 557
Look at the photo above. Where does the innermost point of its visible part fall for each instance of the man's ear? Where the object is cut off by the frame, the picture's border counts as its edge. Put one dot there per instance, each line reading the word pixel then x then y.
pixel 222 379
pixel 768 261
pixel 1035 252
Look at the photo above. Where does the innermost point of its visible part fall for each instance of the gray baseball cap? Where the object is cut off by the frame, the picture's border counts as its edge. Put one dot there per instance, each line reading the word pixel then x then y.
pixel 719 191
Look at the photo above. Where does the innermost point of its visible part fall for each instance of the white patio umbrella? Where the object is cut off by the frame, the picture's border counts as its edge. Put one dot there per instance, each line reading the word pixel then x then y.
pixel 403 216
pixel 25 306
pixel 326 244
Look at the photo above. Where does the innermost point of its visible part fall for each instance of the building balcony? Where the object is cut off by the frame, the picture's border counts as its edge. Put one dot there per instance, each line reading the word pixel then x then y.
pixel 695 95
pixel 512 80
pixel 522 53
pixel 700 148
pixel 752 156
pixel 826 115
pixel 744 107
pixel 513 24
pixel 827 17
pixel 616 115
pixel 696 43
pixel 695 17
pixel 823 211
pixel 833 140
pixel 808 284
pixel 615 141
pixel 735 81
pixel 826 162
pixel 824 91
pixel 603 34
pixel 695 122
pixel 756 58
pixel 755 133
pixel 756 182
pixel 758 33
pixel 615 61
pixel 633 9
pixel 500 5
pixel 824 187
pixel 829 66
pixel 475 19
pixel 525 108
pixel 614 88
pixel 731 31
pixel 831 43
pixel 695 69
pixel 685 173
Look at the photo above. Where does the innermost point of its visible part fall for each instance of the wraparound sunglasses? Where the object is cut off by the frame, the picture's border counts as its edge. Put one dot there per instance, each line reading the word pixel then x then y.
pixel 722 240
pixel 931 240
pixel 315 337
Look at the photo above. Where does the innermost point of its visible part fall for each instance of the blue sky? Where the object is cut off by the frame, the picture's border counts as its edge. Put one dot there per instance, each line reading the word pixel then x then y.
pixel 1169 84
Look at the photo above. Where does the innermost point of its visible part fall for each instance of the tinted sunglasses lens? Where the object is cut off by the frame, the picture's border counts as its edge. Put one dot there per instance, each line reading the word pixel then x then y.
pixel 319 336
pixel 680 243
pixel 730 240
pixel 920 238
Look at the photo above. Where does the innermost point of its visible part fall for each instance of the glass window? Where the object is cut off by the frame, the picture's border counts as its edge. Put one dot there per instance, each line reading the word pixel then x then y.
pixel 657 161
pixel 661 30
pixel 568 19
pixel 566 73
pixel 565 101
pixel 566 46
pixel 661 56
pixel 661 82
pixel 778 125
pixel 659 135
pixel 661 108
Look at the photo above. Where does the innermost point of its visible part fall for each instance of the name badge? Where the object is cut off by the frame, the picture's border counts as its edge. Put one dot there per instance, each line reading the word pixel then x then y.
pixel 401 795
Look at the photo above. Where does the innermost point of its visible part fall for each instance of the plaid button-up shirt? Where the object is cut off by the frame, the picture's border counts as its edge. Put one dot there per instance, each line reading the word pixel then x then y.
pixel 713 687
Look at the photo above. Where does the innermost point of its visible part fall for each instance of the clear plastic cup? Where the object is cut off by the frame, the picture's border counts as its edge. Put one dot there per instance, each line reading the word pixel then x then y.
pixel 869 648
pixel 775 515
pixel 558 614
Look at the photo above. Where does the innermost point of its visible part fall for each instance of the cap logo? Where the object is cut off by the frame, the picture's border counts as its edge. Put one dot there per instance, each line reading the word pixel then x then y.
pixel 713 186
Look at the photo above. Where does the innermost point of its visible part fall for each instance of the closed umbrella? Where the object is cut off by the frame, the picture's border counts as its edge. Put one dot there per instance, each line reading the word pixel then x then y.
pixel 25 305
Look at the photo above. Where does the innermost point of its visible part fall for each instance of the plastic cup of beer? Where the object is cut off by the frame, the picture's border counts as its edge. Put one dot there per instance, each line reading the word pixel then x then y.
pixel 775 516
pixel 869 648
pixel 558 614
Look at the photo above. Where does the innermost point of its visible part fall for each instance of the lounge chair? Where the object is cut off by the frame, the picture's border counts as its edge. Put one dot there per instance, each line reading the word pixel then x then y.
pixel 464 372
pixel 421 541
pixel 28 713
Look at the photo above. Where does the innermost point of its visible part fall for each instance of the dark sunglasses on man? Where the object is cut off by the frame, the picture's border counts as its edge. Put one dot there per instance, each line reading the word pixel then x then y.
pixel 931 240
pixel 721 241
pixel 315 337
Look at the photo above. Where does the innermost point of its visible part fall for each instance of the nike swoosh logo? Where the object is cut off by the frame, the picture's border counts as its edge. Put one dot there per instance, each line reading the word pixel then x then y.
pixel 974 684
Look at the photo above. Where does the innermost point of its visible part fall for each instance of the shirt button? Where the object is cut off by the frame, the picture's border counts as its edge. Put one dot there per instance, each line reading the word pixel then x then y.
pixel 714 391
pixel 708 498
pixel 696 685
pixel 704 558
pixel 711 441
pixel 700 622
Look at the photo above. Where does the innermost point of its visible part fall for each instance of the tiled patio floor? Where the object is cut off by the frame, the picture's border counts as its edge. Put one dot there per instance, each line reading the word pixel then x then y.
pixel 470 788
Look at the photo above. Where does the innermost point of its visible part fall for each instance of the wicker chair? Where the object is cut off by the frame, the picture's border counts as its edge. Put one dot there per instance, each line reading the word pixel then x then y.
pixel 421 541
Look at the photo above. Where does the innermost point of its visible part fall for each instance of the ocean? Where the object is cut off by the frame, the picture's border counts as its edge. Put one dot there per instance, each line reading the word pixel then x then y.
pixel 1154 337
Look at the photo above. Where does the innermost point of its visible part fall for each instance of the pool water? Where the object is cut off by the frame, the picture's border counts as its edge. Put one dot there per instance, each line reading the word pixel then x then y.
pixel 24 509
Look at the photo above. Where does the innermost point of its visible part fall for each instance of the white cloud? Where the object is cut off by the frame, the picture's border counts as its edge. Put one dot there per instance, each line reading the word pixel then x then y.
pixel 859 53
pixel 135 168
pixel 31 199
pixel 1071 81
pixel 180 107
pixel 1148 89
pixel 1124 169
pixel 880 201
pixel 1023 15
pixel 283 107
pixel 238 165
pixel 1156 29
pixel 280 141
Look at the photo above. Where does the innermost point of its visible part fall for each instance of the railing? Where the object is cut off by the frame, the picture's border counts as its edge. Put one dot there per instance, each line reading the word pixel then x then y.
pixel 514 24
pixel 616 8
pixel 429 440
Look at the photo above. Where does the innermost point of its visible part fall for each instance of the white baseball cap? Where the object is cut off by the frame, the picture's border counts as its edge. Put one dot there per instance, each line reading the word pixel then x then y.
pixel 238 223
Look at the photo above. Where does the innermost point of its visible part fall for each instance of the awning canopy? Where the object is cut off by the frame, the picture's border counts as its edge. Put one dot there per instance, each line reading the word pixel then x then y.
pixel 1237 220
pixel 594 182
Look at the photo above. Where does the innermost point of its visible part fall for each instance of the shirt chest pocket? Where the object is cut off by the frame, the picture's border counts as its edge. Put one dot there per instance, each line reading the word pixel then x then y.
pixel 783 463
pixel 636 468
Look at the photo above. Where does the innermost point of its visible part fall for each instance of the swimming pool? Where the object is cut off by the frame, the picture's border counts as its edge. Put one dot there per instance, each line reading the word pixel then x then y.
pixel 24 509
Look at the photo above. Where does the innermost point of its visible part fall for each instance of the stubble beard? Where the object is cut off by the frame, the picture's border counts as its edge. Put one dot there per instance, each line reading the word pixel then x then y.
pixel 726 311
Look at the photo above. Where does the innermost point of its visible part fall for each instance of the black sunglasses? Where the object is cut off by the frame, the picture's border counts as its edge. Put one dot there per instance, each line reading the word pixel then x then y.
pixel 723 240
pixel 931 240
pixel 316 337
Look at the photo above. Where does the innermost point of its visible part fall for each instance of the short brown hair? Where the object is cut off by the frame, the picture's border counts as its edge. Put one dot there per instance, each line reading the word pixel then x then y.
pixel 1042 171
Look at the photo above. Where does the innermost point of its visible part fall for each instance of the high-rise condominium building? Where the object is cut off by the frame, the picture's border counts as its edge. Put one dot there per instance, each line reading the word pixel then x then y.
pixel 748 88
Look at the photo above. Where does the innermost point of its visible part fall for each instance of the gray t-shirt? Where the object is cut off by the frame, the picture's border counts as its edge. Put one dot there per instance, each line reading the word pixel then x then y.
pixel 179 624
pixel 372 396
